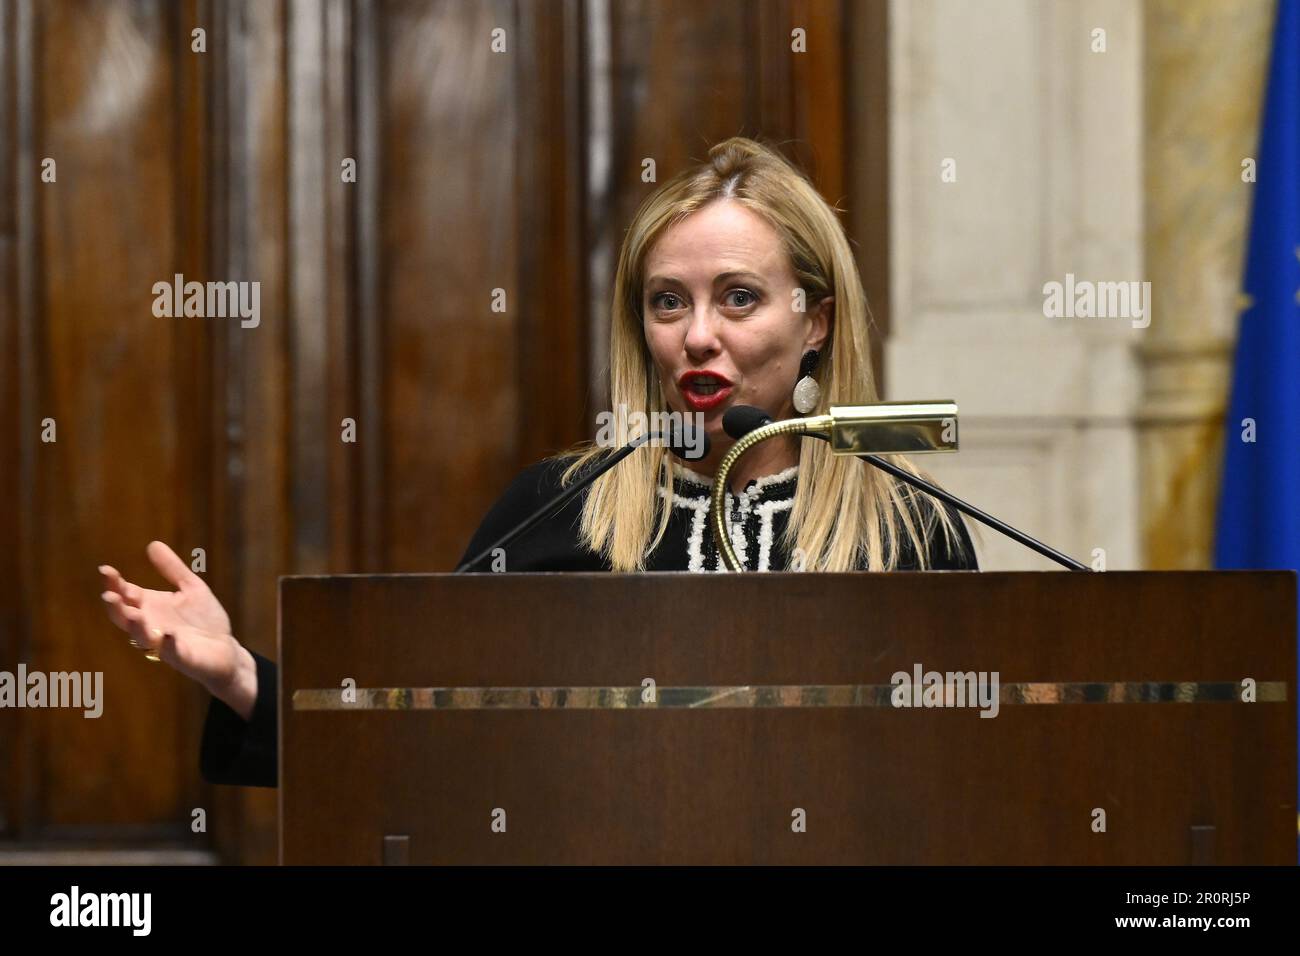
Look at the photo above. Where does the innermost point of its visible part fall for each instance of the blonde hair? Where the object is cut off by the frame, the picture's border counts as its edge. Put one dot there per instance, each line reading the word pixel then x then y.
pixel 843 511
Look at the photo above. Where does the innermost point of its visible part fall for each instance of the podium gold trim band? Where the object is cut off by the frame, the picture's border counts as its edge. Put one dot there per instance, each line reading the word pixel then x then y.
pixel 767 696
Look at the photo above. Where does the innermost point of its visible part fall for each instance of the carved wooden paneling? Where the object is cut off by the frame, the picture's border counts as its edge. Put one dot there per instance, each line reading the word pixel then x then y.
pixel 449 247
pixel 476 170
pixel 97 89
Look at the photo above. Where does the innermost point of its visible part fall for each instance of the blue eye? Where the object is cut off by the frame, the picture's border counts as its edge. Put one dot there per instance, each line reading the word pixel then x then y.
pixel 662 297
pixel 751 298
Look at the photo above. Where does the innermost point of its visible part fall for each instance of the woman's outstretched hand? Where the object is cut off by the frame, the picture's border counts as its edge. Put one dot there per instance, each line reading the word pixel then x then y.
pixel 186 628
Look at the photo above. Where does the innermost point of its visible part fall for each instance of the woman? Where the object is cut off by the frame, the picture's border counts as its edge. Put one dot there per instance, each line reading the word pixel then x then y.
pixel 735 286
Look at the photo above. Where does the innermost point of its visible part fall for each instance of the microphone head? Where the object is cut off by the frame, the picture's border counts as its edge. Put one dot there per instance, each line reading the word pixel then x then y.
pixel 689 444
pixel 739 420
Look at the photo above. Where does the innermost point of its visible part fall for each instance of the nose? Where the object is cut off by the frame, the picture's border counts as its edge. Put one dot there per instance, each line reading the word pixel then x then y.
pixel 702 335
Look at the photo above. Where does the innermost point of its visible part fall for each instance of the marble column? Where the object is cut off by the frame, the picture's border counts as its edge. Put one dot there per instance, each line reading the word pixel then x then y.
pixel 1203 85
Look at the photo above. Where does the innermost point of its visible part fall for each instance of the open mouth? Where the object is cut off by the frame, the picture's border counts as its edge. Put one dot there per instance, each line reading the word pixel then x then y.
pixel 704 390
pixel 703 387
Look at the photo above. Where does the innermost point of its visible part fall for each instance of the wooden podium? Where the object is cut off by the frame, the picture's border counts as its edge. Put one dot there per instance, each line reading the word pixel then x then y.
pixel 505 718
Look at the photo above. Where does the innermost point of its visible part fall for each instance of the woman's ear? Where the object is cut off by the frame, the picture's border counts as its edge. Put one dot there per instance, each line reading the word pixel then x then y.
pixel 821 321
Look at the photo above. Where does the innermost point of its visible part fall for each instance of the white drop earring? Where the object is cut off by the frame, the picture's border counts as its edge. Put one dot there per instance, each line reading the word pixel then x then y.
pixel 807 393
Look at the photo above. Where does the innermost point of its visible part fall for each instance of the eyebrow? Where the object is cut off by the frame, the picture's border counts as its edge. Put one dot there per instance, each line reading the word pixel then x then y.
pixel 720 277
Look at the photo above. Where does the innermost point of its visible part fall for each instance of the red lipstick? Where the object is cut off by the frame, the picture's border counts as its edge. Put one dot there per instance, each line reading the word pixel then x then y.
pixel 703 389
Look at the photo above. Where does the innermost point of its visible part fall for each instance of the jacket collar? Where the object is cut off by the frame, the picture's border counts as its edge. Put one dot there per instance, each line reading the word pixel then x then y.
pixel 778 487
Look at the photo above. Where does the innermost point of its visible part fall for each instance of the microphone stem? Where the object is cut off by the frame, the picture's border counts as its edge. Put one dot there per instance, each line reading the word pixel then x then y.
pixel 555 503
pixel 971 511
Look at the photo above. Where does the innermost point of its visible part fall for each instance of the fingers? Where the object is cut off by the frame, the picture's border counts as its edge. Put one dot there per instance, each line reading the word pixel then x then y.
pixel 132 594
pixel 172 567
pixel 114 604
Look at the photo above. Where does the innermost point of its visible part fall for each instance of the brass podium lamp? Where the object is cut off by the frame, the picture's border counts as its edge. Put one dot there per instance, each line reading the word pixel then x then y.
pixel 885 428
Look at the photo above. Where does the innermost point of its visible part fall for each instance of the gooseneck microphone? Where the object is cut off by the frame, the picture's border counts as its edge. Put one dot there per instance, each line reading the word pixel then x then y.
pixel 686 443
pixel 740 420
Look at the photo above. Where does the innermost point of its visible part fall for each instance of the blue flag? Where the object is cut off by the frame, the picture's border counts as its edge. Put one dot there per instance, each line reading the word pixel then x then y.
pixel 1259 500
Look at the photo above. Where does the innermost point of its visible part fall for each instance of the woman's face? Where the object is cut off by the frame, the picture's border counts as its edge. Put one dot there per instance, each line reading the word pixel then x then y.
pixel 719 299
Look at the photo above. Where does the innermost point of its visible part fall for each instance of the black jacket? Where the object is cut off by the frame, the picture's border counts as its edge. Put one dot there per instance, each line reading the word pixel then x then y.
pixel 235 751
